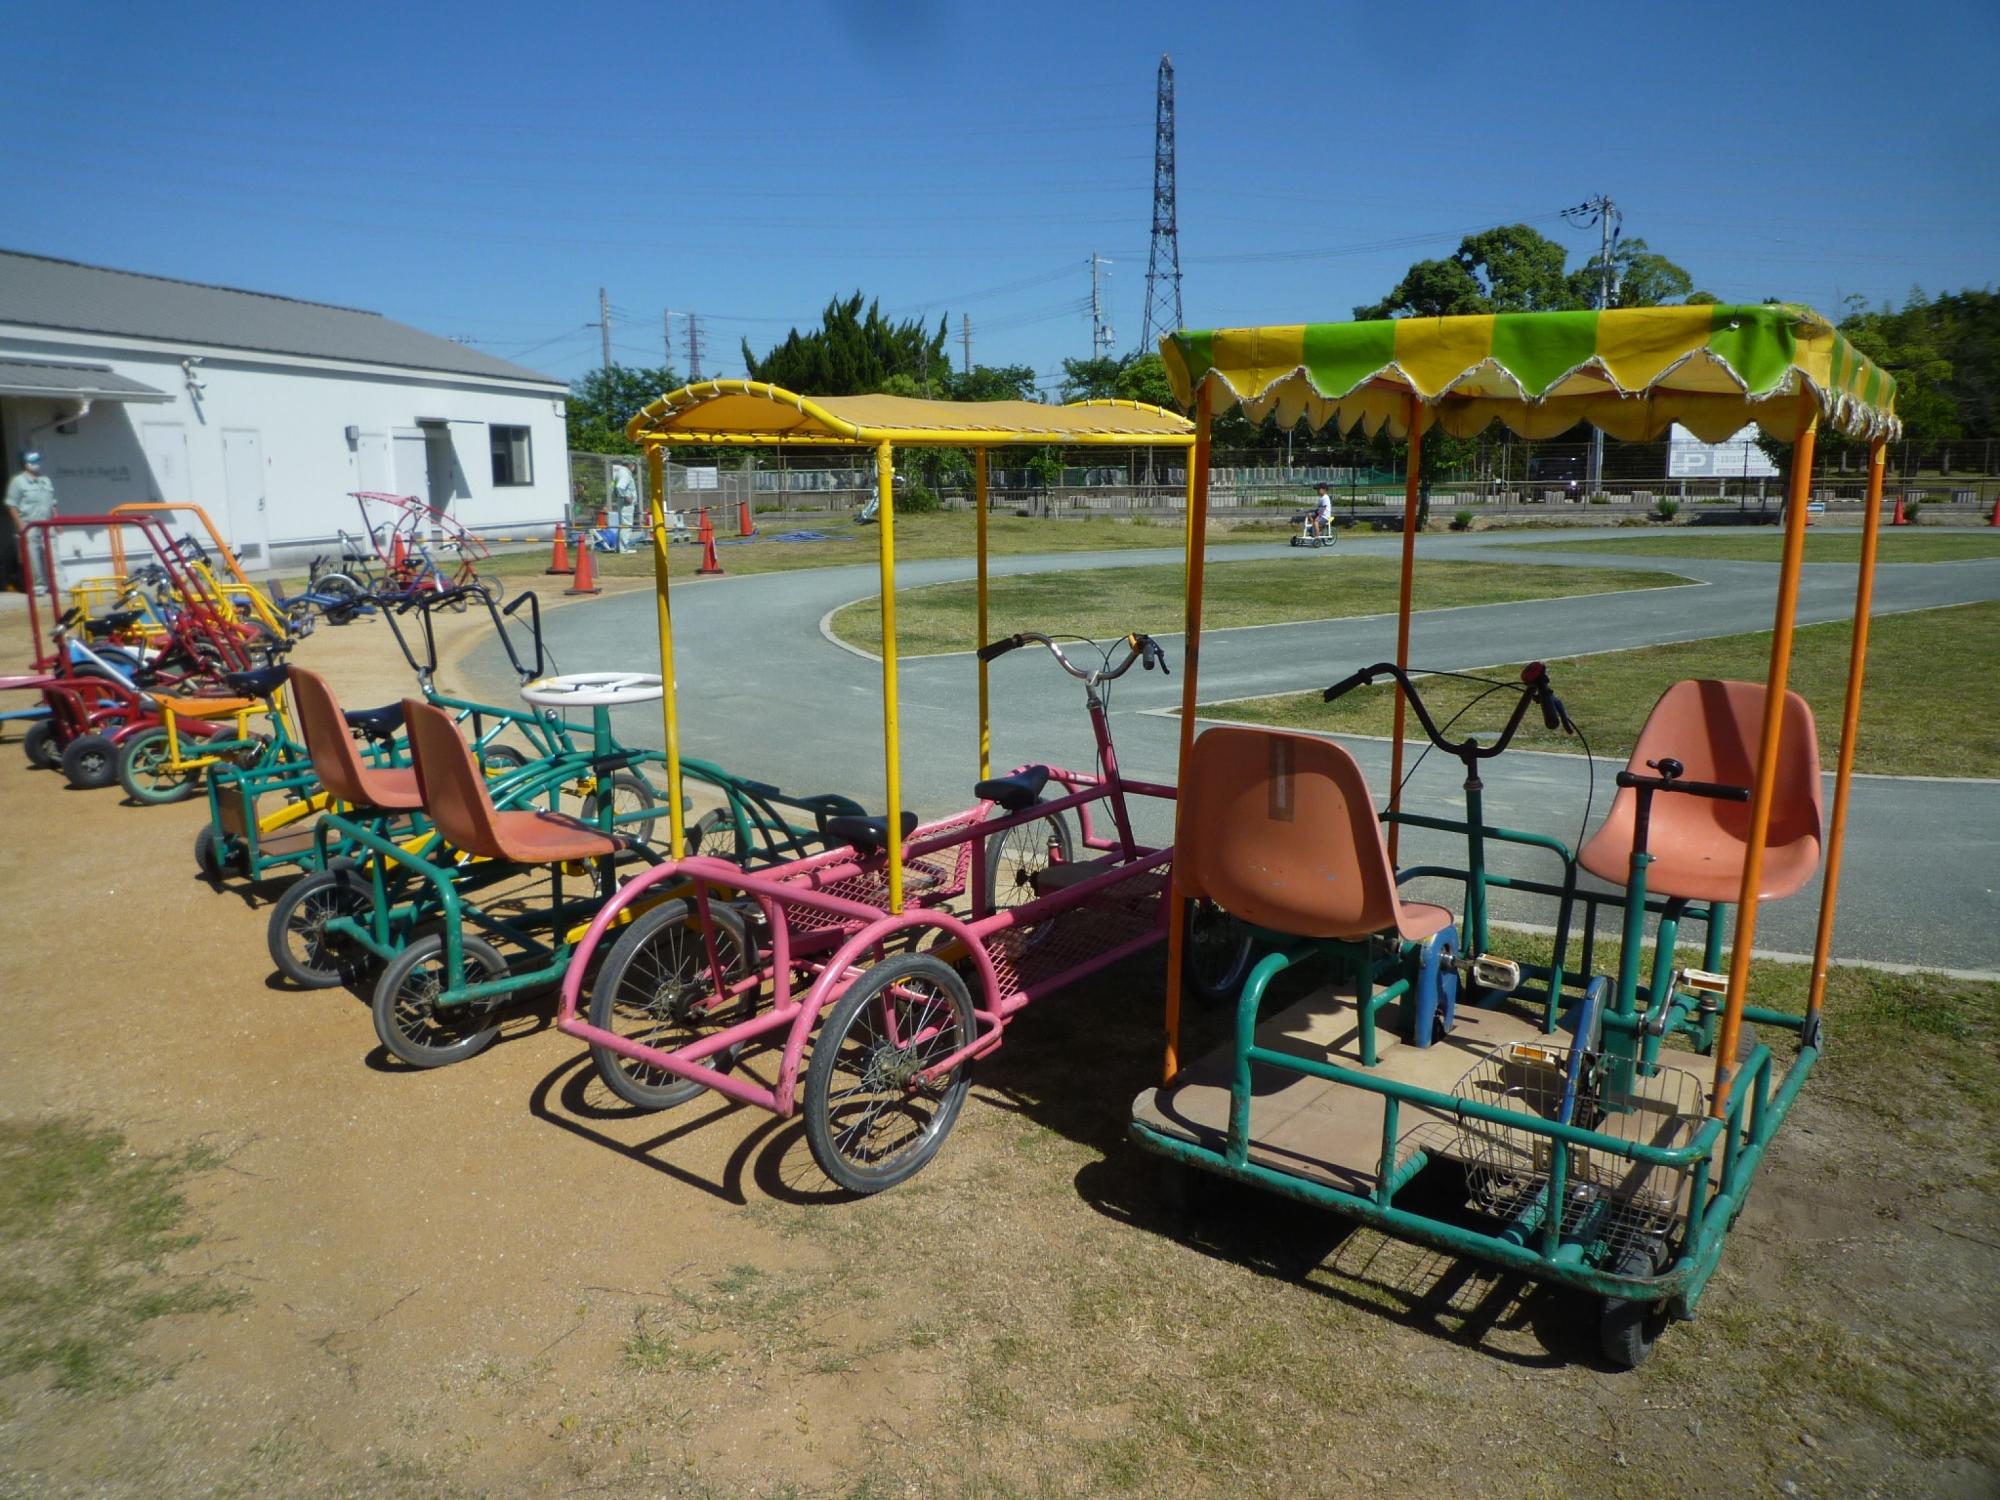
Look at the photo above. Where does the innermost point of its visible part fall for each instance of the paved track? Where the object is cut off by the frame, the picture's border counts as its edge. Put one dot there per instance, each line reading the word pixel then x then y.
pixel 763 691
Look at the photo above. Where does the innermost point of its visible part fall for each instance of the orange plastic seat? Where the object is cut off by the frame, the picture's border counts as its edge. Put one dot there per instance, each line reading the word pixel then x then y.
pixel 334 759
pixel 1699 845
pixel 1279 829
pixel 191 706
pixel 455 799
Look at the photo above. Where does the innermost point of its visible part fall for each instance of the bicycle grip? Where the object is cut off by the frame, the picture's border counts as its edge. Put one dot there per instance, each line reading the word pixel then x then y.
pixel 995 649
pixel 1348 684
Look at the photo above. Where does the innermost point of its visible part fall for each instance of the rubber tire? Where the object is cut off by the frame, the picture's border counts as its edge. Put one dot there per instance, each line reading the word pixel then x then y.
pixel 627 781
pixel 714 836
pixel 347 589
pixel 1627 1329
pixel 1214 983
pixel 827 1048
pixel 356 897
pixel 210 856
pixel 611 1067
pixel 39 745
pixel 501 758
pixel 996 848
pixel 478 954
pixel 149 741
pixel 90 761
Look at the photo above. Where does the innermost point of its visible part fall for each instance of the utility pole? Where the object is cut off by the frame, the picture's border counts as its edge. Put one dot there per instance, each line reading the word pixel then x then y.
pixel 604 324
pixel 694 349
pixel 1603 213
pixel 1101 335
pixel 1163 261
pixel 667 332
pixel 965 338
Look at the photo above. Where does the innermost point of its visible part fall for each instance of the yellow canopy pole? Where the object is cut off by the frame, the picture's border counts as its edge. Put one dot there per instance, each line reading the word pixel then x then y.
pixel 1850 723
pixel 656 499
pixel 892 753
pixel 979 503
pixel 1764 793
pixel 1410 485
pixel 1193 571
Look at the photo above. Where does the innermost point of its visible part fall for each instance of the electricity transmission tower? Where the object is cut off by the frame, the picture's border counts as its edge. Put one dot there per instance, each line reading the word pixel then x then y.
pixel 694 349
pixel 1101 335
pixel 1600 212
pixel 1163 262
pixel 965 338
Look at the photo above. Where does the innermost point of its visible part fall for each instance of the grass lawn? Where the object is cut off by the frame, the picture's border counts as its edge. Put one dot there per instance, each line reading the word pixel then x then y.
pixel 947 534
pixel 1909 727
pixel 1103 602
pixel 1910 545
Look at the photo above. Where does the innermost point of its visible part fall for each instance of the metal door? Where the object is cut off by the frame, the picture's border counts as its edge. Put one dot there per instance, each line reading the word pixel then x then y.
pixel 412 463
pixel 243 482
pixel 165 446
pixel 371 461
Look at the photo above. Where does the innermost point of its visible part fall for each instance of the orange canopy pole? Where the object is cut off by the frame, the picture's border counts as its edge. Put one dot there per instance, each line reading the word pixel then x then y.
pixel 1764 793
pixel 1850 723
pixel 1195 570
pixel 1410 486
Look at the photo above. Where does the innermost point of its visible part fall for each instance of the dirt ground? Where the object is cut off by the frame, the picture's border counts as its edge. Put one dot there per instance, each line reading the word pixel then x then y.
pixel 494 1279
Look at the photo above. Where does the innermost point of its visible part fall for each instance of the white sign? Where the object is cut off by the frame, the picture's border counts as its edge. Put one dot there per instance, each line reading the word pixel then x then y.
pixel 1688 457
pixel 703 479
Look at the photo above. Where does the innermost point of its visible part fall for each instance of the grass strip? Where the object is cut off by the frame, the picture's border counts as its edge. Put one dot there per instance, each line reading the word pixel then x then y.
pixel 1105 602
pixel 1913 721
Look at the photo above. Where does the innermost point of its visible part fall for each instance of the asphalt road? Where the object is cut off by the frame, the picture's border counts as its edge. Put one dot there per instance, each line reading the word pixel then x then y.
pixel 765 693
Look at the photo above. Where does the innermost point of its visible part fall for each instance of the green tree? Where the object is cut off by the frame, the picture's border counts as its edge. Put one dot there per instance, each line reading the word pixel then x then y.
pixel 854 352
pixel 1516 269
pixel 603 401
pixel 991 383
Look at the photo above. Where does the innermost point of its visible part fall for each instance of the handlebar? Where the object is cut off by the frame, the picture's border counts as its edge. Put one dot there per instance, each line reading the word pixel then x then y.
pixel 1538 689
pixel 1138 647
pixel 1669 780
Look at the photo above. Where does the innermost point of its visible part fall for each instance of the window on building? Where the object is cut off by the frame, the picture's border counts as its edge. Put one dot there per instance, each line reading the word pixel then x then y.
pixel 513 457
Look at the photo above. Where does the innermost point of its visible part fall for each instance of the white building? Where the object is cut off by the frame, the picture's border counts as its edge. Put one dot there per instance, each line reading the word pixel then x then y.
pixel 265 410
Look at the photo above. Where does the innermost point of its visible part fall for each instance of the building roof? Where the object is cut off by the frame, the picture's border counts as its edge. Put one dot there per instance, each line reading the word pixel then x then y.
pixel 20 377
pixel 42 292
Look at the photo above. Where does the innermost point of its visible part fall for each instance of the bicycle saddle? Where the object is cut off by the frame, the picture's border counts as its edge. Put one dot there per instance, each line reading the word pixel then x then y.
pixel 866 835
pixel 375 723
pixel 1016 791
pixel 111 624
pixel 260 682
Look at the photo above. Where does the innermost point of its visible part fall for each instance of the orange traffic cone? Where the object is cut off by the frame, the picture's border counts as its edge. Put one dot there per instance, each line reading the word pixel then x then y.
pixel 586 573
pixel 397 555
pixel 1994 519
pixel 711 566
pixel 1899 519
pixel 559 558
pixel 744 525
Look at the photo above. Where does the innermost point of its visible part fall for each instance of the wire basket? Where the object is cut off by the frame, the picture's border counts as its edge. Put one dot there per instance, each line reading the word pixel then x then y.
pixel 1623 1203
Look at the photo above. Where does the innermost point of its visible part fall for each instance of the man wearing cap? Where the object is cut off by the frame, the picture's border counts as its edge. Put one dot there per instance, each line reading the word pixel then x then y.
pixel 30 497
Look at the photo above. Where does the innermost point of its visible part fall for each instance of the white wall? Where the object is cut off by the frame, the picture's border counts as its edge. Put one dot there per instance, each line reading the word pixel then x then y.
pixel 283 425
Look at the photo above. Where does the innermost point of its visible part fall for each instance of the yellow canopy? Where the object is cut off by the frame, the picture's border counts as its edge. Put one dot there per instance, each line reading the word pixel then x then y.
pixel 749 411
pixel 1629 371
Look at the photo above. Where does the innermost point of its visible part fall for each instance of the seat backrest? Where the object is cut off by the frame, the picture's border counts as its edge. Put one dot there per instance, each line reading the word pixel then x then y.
pixel 454 792
pixel 1279 829
pixel 1713 728
pixel 328 744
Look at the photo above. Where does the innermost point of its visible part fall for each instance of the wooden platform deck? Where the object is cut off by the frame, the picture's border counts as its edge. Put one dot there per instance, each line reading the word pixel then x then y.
pixel 1332 1133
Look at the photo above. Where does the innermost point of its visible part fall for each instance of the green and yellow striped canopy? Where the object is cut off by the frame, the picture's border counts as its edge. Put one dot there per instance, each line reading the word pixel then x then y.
pixel 1630 371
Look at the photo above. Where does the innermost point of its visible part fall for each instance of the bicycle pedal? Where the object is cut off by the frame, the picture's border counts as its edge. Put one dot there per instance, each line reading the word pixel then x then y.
pixel 1703 982
pixel 1501 974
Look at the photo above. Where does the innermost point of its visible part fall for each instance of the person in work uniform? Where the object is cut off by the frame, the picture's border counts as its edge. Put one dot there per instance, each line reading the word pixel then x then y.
pixel 31 496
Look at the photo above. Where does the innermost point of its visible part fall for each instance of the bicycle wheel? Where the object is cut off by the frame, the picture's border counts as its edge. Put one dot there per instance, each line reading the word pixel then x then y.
pixel 90 761
pixel 713 835
pixel 1215 955
pixel 871 1119
pixel 657 988
pixel 39 745
pixel 146 771
pixel 630 794
pixel 304 951
pixel 1016 857
pixel 410 1022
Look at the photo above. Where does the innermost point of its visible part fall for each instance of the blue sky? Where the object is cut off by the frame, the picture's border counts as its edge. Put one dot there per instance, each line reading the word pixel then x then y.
pixel 481 171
